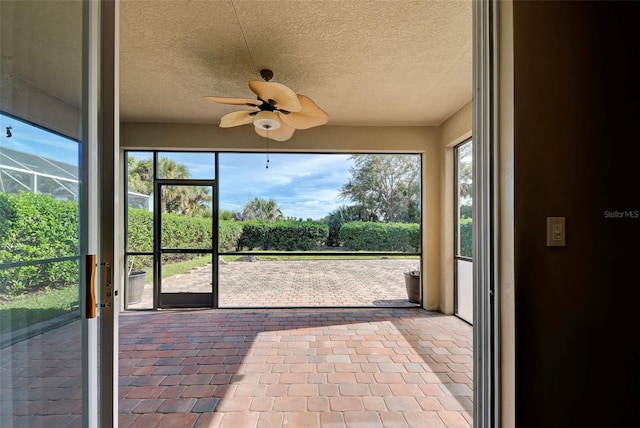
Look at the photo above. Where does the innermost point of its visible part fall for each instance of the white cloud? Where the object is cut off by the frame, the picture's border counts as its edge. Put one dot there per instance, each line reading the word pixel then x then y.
pixel 304 185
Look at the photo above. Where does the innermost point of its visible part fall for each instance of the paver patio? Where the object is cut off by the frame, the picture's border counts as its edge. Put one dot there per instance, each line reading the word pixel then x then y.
pixel 297 283
pixel 269 368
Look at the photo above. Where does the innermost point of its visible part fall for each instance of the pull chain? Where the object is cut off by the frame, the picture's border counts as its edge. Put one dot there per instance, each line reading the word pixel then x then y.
pixel 267 148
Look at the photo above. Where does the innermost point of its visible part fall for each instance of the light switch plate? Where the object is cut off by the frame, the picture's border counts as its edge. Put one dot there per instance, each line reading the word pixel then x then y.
pixel 556 232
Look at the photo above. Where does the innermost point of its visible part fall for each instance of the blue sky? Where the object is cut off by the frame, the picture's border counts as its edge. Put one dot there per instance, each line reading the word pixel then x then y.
pixel 304 185
pixel 30 139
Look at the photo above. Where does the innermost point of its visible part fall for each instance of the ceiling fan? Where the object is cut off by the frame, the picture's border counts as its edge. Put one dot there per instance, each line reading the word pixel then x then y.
pixel 280 111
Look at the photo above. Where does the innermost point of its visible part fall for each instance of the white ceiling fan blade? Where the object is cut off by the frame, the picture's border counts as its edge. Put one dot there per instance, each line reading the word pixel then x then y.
pixel 310 116
pixel 283 133
pixel 236 101
pixel 236 118
pixel 276 94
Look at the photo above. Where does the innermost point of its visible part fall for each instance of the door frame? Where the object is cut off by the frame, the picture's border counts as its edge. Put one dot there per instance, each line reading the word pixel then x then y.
pixel 486 239
pixel 89 207
pixel 182 300
pixel 486 342
pixel 99 205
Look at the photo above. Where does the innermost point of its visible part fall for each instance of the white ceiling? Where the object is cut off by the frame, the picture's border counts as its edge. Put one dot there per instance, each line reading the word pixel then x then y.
pixel 365 62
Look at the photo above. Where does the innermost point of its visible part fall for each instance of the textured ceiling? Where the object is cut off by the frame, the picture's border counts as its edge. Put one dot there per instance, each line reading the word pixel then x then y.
pixel 41 47
pixel 364 62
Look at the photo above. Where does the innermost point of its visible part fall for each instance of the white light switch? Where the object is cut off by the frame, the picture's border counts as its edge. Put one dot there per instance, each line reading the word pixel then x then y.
pixel 556 232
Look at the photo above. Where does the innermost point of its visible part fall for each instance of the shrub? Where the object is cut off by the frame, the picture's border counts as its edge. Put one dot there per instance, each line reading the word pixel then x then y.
pixel 300 236
pixel 140 230
pixel 178 231
pixel 466 237
pixel 371 236
pixel 282 235
pixel 229 233
pixel 37 227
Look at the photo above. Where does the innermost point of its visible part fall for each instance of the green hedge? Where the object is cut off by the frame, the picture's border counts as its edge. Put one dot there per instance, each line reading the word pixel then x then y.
pixel 282 235
pixel 370 236
pixel 230 232
pixel 179 231
pixel 34 227
pixel 140 230
pixel 466 237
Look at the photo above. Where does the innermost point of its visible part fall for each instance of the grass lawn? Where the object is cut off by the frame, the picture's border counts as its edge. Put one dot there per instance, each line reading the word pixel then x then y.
pixel 29 310
pixel 333 256
pixel 171 269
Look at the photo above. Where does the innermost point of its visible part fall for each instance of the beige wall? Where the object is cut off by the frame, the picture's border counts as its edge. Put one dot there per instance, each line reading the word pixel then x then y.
pixel 453 131
pixel 432 142
pixel 322 139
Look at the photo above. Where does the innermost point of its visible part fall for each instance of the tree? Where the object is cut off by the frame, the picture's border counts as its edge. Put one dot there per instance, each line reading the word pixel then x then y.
pixel 227 215
pixel 140 175
pixel 261 209
pixel 187 200
pixel 465 211
pixel 341 215
pixel 194 201
pixel 465 171
pixel 387 187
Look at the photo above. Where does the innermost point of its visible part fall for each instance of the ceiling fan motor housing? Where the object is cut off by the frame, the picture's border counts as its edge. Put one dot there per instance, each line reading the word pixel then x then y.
pixel 266 74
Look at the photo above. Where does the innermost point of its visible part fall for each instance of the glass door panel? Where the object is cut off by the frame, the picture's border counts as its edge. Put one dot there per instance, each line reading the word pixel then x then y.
pixel 186 243
pixel 464 283
pixel 48 349
pixel 463 257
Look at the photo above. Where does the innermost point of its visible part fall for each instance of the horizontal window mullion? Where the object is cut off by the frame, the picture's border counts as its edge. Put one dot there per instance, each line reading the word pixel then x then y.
pixel 37 262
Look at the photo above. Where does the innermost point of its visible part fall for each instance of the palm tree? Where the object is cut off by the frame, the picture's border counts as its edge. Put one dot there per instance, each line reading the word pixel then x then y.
pixel 170 195
pixel 140 175
pixel 194 201
pixel 187 200
pixel 262 209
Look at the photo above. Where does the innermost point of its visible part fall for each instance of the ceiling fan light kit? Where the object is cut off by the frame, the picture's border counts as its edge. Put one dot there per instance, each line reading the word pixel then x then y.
pixel 266 120
pixel 279 108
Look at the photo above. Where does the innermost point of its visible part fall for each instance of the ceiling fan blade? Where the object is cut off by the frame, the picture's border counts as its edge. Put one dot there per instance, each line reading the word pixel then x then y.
pixel 236 118
pixel 310 116
pixel 276 94
pixel 283 133
pixel 236 101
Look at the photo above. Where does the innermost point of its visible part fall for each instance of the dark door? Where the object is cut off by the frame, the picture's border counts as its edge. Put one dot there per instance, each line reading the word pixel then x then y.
pixel 185 249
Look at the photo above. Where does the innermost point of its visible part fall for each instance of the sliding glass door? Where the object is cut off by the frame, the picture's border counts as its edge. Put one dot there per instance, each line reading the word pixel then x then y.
pixel 55 271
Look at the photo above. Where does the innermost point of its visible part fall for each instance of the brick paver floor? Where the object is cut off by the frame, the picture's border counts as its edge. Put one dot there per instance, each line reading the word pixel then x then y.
pixel 297 283
pixel 297 368
pixel 247 368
